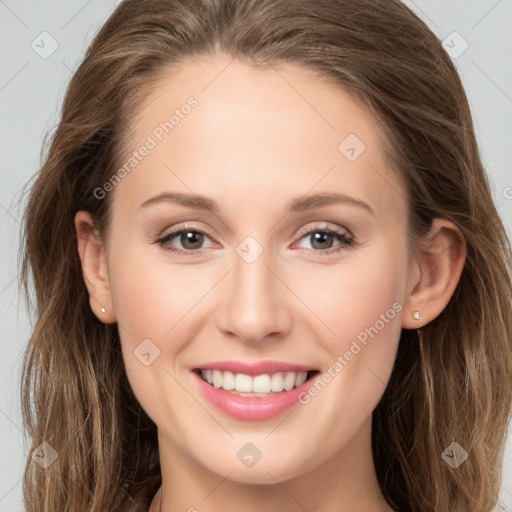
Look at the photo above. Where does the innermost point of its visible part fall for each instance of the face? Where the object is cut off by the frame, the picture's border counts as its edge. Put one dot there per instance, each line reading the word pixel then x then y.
pixel 259 286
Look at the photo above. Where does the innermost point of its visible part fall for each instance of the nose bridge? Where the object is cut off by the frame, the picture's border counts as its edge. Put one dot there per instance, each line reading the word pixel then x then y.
pixel 255 305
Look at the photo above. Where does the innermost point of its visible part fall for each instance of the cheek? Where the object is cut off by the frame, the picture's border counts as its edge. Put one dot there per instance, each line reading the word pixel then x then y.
pixel 156 304
pixel 355 297
pixel 363 309
pixel 150 301
pixel 150 296
pixel 361 306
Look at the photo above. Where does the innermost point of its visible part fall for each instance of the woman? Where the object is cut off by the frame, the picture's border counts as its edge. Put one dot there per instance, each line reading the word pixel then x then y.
pixel 367 370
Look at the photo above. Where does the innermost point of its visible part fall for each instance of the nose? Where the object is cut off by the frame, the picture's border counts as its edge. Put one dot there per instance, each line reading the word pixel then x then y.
pixel 256 303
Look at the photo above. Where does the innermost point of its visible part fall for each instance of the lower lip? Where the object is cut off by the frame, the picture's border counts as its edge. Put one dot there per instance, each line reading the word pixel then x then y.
pixel 251 408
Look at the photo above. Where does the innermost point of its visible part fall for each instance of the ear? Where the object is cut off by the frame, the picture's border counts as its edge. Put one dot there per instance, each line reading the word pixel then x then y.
pixel 435 273
pixel 94 268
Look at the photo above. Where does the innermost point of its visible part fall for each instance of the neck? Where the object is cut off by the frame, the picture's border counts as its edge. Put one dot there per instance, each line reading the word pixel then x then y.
pixel 346 481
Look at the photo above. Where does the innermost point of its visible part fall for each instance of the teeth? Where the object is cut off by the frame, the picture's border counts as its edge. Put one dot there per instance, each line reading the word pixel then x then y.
pixel 228 381
pixel 243 383
pixel 289 381
pixel 259 385
pixel 300 379
pixel 276 383
pixel 217 379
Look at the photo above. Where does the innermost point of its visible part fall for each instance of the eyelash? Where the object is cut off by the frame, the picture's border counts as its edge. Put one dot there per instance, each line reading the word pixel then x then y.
pixel 346 240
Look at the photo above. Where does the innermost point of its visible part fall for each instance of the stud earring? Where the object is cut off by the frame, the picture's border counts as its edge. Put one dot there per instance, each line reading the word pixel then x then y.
pixel 103 310
pixel 416 315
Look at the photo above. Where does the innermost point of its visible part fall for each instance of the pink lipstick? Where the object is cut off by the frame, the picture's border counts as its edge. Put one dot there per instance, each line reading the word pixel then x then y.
pixel 253 391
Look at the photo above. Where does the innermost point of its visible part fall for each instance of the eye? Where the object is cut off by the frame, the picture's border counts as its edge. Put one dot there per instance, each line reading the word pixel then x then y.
pixel 190 238
pixel 322 238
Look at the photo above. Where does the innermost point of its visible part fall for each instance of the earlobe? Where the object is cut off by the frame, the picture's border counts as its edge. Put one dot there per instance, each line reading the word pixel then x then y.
pixel 437 270
pixel 94 269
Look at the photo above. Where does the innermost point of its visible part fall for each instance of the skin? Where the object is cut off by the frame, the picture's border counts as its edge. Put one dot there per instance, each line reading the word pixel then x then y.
pixel 257 139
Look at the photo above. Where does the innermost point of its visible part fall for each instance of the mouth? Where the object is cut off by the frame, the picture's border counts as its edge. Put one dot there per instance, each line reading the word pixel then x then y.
pixel 260 386
pixel 253 391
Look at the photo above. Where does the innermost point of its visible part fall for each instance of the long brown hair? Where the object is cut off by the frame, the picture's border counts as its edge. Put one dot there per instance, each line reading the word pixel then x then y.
pixel 451 381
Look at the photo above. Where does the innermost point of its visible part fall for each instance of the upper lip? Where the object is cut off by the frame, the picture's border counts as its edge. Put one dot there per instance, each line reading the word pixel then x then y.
pixel 257 368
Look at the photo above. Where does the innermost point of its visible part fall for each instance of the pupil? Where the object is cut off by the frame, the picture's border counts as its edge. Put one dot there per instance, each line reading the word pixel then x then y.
pixel 322 238
pixel 188 238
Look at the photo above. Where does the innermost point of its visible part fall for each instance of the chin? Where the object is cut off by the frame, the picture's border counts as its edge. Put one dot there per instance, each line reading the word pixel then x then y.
pixel 261 473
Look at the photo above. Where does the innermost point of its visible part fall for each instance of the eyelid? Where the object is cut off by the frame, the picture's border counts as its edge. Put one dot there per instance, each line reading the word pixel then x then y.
pixel 178 227
pixel 326 227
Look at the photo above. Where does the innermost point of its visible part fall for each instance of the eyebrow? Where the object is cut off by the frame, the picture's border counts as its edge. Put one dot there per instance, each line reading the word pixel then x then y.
pixel 298 204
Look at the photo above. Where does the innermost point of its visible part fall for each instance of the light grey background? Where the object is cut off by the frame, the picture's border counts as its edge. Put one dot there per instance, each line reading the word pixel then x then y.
pixel 31 92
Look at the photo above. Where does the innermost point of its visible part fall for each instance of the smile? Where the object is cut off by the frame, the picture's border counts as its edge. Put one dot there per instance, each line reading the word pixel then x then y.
pixel 252 392
pixel 262 385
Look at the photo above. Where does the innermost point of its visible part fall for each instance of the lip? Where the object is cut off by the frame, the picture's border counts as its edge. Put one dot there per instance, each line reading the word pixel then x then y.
pixel 252 408
pixel 257 368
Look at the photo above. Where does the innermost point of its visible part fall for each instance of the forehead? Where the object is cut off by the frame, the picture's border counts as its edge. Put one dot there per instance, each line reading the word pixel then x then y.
pixel 253 128
pixel 233 94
